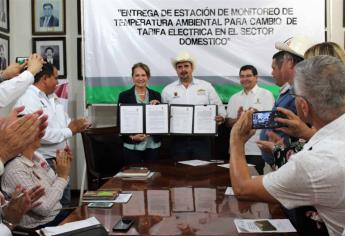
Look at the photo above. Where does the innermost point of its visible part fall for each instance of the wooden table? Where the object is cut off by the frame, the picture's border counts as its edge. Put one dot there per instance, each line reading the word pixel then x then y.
pixel 156 204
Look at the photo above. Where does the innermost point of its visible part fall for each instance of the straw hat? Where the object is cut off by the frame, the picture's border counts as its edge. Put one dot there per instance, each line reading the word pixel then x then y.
pixel 182 57
pixel 296 45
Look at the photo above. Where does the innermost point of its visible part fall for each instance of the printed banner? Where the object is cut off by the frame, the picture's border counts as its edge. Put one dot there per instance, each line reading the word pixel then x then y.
pixel 221 35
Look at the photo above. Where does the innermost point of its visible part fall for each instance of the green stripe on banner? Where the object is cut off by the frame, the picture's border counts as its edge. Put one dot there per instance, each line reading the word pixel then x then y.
pixel 273 88
pixel 109 95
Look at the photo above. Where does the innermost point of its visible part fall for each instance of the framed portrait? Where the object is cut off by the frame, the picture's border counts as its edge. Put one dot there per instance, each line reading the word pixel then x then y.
pixel 53 50
pixel 79 16
pixel 48 17
pixel 80 59
pixel 4 16
pixel 4 51
pixel 343 13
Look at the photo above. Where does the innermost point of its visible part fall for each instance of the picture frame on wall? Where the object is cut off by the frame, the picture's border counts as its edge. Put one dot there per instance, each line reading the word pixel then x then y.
pixel 48 17
pixel 80 58
pixel 53 50
pixel 343 13
pixel 79 16
pixel 4 51
pixel 4 16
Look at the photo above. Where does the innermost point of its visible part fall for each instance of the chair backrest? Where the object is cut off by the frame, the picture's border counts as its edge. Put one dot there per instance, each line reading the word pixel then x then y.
pixel 103 154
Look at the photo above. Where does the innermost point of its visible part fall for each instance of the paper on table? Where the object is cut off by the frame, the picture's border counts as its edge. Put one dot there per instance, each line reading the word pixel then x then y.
pixel 48 231
pixel 182 199
pixel 195 162
pixel 157 119
pixel 131 119
pixel 158 203
pixel 205 200
pixel 181 119
pixel 139 178
pixel 121 198
pixel 229 191
pixel 264 226
pixel 204 119
pixel 227 165
pixel 136 206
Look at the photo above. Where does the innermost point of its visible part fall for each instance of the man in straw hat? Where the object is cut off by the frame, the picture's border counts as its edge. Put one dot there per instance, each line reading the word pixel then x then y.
pixel 189 90
pixel 283 72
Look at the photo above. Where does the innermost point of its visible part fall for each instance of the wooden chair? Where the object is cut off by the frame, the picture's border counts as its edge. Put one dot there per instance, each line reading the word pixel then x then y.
pixel 103 154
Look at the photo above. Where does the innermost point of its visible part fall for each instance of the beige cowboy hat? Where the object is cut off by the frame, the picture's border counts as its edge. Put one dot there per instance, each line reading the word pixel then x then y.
pixel 182 57
pixel 296 45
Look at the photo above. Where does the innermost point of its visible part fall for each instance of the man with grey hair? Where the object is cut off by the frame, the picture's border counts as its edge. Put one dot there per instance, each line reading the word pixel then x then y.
pixel 314 176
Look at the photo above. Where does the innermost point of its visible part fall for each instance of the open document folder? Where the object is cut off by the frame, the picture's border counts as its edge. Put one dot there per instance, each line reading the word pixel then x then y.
pixel 174 119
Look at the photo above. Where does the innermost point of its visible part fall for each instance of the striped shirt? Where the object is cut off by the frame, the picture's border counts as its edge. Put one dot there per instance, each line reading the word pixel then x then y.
pixel 30 173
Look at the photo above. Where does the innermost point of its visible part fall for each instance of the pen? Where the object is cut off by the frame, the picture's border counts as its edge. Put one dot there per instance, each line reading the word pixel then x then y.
pixel 6 203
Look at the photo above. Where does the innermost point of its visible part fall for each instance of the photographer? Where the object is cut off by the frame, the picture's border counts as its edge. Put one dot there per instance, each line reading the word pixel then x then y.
pixel 304 180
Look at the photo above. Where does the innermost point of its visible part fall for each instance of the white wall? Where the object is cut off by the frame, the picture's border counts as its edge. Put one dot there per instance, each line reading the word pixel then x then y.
pixel 21 45
pixel 21 41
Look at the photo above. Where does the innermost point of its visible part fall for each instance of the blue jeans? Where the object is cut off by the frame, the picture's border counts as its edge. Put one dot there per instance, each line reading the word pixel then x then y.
pixel 66 196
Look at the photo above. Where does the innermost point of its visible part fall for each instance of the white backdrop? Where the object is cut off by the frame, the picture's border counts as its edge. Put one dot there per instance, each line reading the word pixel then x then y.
pixel 222 35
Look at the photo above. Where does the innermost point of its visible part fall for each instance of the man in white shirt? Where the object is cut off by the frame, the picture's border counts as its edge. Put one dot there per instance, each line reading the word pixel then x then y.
pixel 189 90
pixel 314 176
pixel 60 127
pixel 252 96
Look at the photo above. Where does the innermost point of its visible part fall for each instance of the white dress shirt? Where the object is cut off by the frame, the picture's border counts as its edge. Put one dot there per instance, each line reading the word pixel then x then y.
pixel 57 131
pixel 315 176
pixel 4 231
pixel 46 21
pixel 198 92
pixel 284 88
pixel 258 98
pixel 13 88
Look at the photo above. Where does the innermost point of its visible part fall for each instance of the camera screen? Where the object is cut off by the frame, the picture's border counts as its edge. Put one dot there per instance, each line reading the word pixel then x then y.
pixel 21 60
pixel 265 120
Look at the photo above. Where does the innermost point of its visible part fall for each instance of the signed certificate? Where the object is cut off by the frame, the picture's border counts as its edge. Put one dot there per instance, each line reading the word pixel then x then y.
pixel 157 119
pixel 131 119
pixel 204 119
pixel 181 119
